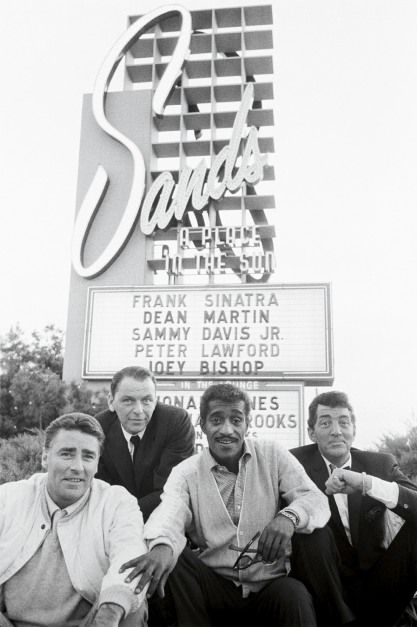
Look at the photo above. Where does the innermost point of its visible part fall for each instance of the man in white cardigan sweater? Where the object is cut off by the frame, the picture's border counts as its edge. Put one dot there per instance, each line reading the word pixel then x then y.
pixel 64 536
pixel 238 491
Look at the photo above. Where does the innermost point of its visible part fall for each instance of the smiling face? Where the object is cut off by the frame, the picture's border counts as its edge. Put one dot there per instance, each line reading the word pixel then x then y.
pixel 71 462
pixel 134 402
pixel 225 427
pixel 333 432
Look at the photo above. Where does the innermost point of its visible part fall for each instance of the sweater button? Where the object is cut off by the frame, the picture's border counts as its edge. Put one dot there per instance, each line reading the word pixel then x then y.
pixel 43 526
pixel 405 505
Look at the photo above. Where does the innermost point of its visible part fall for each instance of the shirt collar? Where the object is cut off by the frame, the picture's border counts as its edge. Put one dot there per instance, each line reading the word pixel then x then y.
pixel 53 507
pixel 128 435
pixel 348 462
pixel 246 454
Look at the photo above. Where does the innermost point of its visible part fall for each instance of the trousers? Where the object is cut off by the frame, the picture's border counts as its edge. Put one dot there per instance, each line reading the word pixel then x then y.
pixel 380 594
pixel 202 598
pixel 342 592
pixel 315 561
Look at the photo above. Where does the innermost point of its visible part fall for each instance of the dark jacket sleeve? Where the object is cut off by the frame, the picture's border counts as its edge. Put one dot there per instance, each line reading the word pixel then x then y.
pixel 102 471
pixel 179 445
pixel 407 497
pixel 105 473
pixel 149 502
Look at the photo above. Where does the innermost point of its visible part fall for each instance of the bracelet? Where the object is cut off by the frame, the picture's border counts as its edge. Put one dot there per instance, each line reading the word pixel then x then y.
pixel 363 484
pixel 291 515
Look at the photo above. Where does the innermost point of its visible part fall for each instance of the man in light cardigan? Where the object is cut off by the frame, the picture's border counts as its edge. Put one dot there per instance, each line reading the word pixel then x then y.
pixel 64 535
pixel 236 491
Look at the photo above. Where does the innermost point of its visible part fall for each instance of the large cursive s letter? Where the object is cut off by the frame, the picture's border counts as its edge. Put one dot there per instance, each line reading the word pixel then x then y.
pixel 100 182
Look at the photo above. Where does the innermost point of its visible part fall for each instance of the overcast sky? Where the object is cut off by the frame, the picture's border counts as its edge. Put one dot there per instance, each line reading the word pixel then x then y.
pixel 346 143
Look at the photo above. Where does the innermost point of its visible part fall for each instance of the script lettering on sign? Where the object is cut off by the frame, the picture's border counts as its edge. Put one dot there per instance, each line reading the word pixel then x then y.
pixel 165 199
pixel 100 182
pixel 191 185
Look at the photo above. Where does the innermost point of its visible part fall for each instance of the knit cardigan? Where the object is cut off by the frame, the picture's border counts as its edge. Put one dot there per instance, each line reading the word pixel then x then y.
pixel 192 504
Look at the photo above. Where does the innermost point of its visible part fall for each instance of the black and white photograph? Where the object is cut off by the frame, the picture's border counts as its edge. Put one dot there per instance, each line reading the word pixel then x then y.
pixel 208 344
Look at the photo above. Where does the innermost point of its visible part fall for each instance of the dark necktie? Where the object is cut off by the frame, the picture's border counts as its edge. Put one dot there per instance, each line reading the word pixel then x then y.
pixel 135 439
pixel 332 503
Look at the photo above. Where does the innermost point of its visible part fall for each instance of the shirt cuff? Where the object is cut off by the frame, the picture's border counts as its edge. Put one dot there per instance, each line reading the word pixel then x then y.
pixel 123 596
pixel 384 491
pixel 120 595
pixel 161 540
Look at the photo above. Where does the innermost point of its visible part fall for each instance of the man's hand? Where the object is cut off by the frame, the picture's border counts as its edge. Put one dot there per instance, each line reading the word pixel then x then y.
pixel 346 482
pixel 154 568
pixel 275 538
pixel 108 615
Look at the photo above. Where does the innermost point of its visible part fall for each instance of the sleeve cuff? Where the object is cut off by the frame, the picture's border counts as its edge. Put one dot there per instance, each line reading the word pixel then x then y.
pixel 384 491
pixel 162 540
pixel 176 550
pixel 120 595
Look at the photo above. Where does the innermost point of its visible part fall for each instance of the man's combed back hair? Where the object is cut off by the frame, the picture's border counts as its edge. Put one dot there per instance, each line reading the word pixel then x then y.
pixel 136 372
pixel 74 422
pixel 225 392
pixel 329 399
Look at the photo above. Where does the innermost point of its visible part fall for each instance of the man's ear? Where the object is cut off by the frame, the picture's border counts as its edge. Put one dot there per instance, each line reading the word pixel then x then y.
pixel 312 435
pixel 202 425
pixel 110 401
pixel 44 460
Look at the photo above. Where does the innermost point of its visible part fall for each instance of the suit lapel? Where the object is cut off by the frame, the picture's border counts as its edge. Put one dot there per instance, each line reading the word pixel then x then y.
pixel 120 455
pixel 355 504
pixel 320 474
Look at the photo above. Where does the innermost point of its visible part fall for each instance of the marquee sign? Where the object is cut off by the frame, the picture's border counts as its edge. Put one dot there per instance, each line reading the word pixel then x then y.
pixel 279 332
pixel 177 189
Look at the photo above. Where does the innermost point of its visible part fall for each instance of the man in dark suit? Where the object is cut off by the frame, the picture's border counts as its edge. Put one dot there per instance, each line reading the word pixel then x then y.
pixel 144 439
pixel 373 513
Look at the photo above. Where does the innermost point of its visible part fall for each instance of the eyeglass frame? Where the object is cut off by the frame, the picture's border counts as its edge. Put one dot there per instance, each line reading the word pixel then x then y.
pixel 243 553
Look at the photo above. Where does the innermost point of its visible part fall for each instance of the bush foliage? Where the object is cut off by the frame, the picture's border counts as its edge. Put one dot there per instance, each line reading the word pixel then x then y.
pixel 20 456
pixel 32 392
pixel 404 449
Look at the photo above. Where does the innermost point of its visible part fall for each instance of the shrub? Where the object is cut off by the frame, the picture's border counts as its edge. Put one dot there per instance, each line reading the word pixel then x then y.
pixel 82 398
pixel 20 456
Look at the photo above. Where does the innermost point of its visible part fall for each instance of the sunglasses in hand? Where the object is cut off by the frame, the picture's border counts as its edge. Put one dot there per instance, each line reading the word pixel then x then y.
pixel 244 559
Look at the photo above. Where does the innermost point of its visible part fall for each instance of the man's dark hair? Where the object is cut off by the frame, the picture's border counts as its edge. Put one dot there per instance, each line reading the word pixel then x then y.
pixel 225 392
pixel 329 399
pixel 136 372
pixel 75 421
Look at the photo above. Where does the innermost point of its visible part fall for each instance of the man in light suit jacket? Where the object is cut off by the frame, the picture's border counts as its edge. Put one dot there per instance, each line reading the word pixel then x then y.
pixel 64 535
pixel 144 439
pixel 373 512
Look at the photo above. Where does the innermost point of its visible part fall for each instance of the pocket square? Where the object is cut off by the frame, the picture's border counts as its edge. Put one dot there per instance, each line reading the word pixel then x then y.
pixel 374 513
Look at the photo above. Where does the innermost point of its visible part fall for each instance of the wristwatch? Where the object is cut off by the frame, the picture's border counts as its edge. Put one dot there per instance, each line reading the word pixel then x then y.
pixel 291 515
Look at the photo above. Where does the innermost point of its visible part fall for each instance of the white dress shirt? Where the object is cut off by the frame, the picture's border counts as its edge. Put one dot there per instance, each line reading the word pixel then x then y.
pixel 129 443
pixel 341 500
